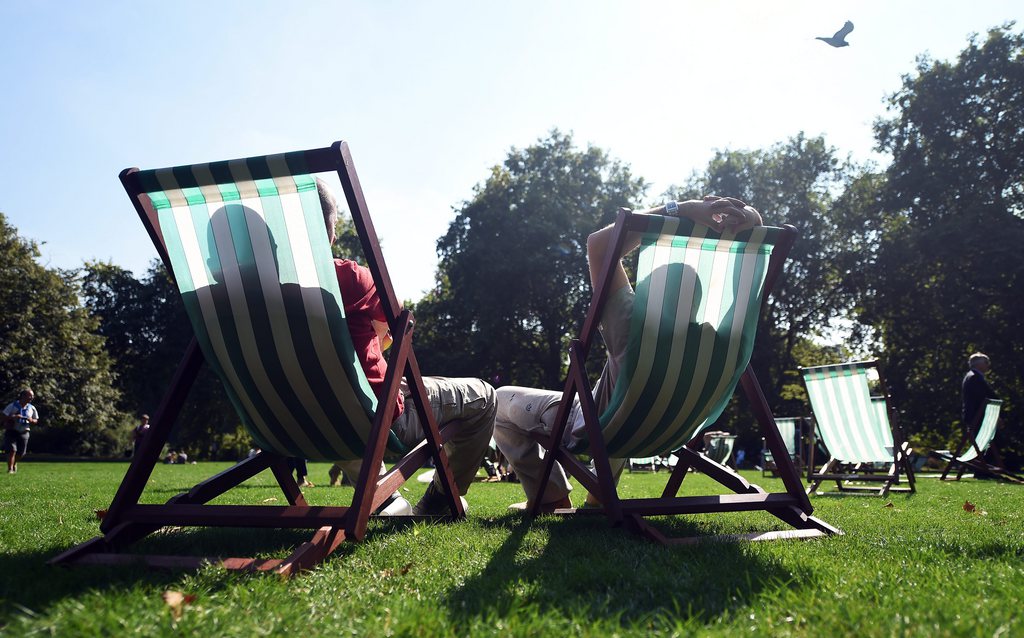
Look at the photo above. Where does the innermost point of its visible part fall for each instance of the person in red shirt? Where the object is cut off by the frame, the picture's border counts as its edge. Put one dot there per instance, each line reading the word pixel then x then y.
pixel 468 401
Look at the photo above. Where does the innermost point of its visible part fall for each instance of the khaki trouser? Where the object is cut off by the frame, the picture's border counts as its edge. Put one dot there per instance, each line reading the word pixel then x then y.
pixel 467 402
pixel 526 411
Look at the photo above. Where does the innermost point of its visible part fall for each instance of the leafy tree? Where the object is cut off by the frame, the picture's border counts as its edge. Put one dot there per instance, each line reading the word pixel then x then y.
pixel 512 284
pixel 50 346
pixel 948 269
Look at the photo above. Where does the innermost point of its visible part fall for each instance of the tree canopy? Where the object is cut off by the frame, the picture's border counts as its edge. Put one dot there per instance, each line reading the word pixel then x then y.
pixel 512 284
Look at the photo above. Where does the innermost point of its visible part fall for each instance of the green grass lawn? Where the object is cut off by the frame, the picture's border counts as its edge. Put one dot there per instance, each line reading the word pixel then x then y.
pixel 907 566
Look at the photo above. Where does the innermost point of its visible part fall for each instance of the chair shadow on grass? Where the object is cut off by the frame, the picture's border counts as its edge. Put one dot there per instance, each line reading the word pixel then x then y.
pixel 584 569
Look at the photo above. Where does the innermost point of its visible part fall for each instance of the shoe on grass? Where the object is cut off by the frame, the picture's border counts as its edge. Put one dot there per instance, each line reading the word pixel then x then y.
pixel 435 503
pixel 396 505
pixel 545 508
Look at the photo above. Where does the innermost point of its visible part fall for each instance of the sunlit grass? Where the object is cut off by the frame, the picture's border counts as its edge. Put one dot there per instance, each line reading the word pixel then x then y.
pixel 908 565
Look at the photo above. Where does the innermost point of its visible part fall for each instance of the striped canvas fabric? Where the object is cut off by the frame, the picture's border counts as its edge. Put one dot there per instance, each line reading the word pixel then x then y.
pixel 787 429
pixel 698 297
pixel 854 427
pixel 251 257
pixel 986 432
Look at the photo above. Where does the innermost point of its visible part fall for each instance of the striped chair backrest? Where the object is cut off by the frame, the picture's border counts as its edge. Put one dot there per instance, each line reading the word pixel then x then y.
pixel 854 427
pixel 788 431
pixel 250 255
pixel 698 297
pixel 986 432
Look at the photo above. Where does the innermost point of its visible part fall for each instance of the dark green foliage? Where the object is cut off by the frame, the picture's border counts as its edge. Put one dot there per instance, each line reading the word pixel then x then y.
pixel 512 280
pixel 948 269
pixel 50 345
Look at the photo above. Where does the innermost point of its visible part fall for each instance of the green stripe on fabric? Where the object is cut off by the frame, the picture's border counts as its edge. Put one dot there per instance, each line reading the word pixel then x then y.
pixel 658 400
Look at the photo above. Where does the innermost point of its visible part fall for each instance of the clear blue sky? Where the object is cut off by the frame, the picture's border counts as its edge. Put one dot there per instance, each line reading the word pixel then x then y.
pixel 429 95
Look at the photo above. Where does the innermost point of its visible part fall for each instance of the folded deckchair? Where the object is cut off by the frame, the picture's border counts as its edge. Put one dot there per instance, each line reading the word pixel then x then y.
pixel 789 429
pixel 698 298
pixel 976 446
pixel 863 440
pixel 246 244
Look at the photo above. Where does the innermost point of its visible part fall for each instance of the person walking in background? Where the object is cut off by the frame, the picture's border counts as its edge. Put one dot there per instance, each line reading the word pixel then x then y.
pixel 975 392
pixel 18 418
pixel 138 433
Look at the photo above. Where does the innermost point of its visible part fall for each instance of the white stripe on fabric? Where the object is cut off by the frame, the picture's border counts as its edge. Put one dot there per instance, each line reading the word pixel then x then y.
pixel 243 179
pixel 169 184
pixel 209 188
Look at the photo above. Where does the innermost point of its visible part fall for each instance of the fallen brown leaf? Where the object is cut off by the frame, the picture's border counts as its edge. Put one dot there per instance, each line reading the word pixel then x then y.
pixel 889 504
pixel 177 601
pixel 100 514
pixel 969 506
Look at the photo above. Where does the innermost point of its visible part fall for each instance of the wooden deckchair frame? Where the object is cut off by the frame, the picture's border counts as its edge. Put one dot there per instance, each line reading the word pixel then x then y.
pixel 978 463
pixel 847 474
pixel 791 506
pixel 128 521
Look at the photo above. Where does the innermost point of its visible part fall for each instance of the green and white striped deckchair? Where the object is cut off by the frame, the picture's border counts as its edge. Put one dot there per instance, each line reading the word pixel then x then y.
pixel 974 454
pixel 695 314
pixel 719 448
pixel 789 430
pixel 855 428
pixel 246 244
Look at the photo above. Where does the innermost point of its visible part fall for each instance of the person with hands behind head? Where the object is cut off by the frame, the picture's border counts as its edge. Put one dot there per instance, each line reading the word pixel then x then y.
pixel 525 412
pixel 18 418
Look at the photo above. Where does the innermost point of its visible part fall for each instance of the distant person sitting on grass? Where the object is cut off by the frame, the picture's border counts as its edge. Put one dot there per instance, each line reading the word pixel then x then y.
pixel 18 418
pixel 523 412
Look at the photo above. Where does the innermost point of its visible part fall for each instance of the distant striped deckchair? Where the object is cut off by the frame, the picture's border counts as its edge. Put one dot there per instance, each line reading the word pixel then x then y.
pixel 863 442
pixel 974 455
pixel 789 430
pixel 698 299
pixel 246 244
pixel 719 447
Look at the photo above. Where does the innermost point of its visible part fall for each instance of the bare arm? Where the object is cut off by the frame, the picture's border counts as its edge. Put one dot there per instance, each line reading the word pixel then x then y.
pixel 718 213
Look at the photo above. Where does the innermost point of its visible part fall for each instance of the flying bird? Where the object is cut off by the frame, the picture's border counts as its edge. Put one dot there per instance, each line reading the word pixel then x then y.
pixel 839 39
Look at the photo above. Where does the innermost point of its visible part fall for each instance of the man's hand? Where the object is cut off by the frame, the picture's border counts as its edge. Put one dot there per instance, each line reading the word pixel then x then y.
pixel 721 213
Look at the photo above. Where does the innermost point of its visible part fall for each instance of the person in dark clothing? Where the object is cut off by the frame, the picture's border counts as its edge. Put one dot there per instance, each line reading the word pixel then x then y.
pixel 975 389
pixel 975 392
